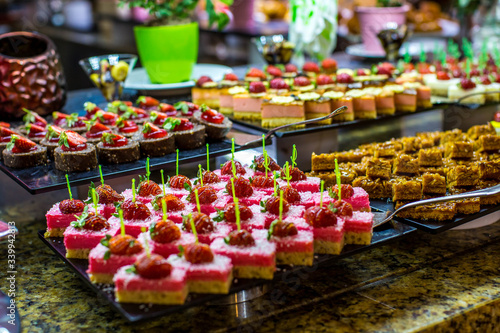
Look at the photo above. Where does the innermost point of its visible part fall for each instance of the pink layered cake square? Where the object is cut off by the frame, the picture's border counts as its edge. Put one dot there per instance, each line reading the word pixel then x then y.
pixel 220 230
pixel 165 249
pixel 179 193
pixel 329 240
pixel 127 194
pixel 360 200
pixel 299 222
pixel 254 199
pixel 206 278
pixel 227 178
pixel 102 270
pixel 311 184
pixel 132 288
pixel 79 241
pixel 358 229
pixel 294 250
pixel 57 222
pixel 253 262
pixel 176 216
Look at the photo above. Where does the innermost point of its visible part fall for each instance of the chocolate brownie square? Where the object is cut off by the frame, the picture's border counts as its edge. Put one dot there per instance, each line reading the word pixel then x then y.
pixel 463 175
pixel 407 190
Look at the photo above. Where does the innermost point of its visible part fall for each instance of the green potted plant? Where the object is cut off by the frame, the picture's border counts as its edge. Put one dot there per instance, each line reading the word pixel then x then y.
pixel 168 43
pixel 374 19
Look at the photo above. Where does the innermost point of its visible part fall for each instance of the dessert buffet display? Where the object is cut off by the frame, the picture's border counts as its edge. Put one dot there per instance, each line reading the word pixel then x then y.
pixel 430 164
pixel 158 242
pixel 119 138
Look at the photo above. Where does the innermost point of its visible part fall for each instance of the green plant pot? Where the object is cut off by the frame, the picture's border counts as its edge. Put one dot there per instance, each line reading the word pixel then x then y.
pixel 168 52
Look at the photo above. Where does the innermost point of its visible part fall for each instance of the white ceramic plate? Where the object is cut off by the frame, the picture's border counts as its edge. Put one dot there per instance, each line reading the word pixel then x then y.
pixel 138 79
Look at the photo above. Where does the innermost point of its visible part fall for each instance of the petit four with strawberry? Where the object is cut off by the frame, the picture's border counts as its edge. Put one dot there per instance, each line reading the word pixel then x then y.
pixel 155 141
pixel 186 109
pixel 291 71
pixel 384 100
pixel 126 127
pixel 216 124
pixel 282 110
pixel 364 104
pixel 247 106
pixel 206 229
pixel 206 92
pixel 302 84
pixel 278 86
pixel 107 197
pixel 405 99
pixel 164 238
pixel 255 74
pixel 316 106
pixel 443 80
pixel 186 134
pixel 5 135
pixel 115 149
pixel 249 220
pixel 74 154
pixel 324 83
pixel 35 133
pixel 151 280
pixel 74 123
pixel 206 272
pixel 32 117
pixel 311 69
pixel 148 103
pixel 21 152
pixel 329 66
pixel 467 86
pixel 110 254
pixel 226 99
pixel 273 72
pixel 328 229
pixel 138 115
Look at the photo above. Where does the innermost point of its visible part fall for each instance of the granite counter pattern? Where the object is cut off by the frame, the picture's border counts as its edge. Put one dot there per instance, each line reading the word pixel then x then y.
pixel 423 283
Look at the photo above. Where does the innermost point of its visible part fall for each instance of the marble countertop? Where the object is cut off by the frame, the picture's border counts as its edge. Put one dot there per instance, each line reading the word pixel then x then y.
pixel 422 283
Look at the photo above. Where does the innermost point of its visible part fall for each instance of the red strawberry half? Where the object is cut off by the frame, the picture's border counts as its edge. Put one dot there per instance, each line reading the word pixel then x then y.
pixel 19 144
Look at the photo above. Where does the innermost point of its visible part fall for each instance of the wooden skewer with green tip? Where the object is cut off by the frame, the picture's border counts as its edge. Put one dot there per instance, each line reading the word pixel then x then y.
pixel 133 189
pixel 146 243
pixel 122 223
pixel 177 162
pixel 197 200
pixel 281 206
pixel 100 174
pixel 69 188
pixel 164 210
pixel 275 176
pixel 236 206
pixel 294 156
pixel 200 174
pixel 286 169
pixel 233 165
pixel 163 181
pixel 148 173
pixel 339 180
pixel 95 200
pixel 193 228
pixel 208 157
pixel 322 185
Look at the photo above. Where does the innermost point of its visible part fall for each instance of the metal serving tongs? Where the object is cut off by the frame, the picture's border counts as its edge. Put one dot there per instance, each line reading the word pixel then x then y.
pixel 494 190
pixel 304 122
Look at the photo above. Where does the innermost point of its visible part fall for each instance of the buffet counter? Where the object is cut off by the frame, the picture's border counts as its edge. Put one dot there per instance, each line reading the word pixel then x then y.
pixel 422 283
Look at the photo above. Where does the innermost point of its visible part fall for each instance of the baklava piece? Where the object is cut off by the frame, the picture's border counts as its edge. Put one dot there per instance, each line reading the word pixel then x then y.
pixel 433 183
pixel 458 150
pixel 405 164
pixel 406 190
pixel 378 168
pixel 462 175
pixel 431 157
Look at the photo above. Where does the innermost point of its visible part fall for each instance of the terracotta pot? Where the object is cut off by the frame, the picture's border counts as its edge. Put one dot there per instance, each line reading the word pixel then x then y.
pixel 31 75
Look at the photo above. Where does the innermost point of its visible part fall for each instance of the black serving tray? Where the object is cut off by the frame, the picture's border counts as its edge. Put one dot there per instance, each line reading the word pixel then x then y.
pixel 47 178
pixel 433 227
pixel 137 312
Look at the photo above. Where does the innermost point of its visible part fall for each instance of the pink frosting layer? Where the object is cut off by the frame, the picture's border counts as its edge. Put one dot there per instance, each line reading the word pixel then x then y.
pixel 165 249
pixel 317 107
pixel 247 104
pixel 176 281
pixel 331 234
pixel 302 242
pixel 79 238
pixel 226 101
pixel 295 212
pixel 218 270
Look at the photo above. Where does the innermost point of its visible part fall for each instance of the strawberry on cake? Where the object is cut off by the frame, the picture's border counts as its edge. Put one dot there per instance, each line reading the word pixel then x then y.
pixel 328 229
pixel 206 91
pixel 136 215
pixel 252 255
pixel 206 272
pixel 206 229
pixel 111 254
pixel 85 233
pixel 249 220
pixel 151 280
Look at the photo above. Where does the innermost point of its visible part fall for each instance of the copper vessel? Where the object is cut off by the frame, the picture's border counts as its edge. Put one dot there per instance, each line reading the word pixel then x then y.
pixel 31 75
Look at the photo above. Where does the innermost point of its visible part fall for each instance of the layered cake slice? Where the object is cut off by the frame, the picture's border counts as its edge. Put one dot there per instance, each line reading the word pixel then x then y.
pixel 251 254
pixel 364 104
pixel 151 280
pixel 293 246
pixel 358 228
pixel 337 100
pixel 206 272
pixel 60 216
pixel 247 106
pixel 316 106
pixel 164 238
pixel 111 254
pixel 328 230
pixel 85 233
pixel 282 110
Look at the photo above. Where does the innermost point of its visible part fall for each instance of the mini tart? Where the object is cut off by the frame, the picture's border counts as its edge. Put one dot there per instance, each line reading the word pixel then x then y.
pixel 316 106
pixel 115 155
pixel 226 99
pixel 156 147
pixel 213 131
pixel 337 100
pixel 282 110
pixel 190 139
pixel 82 160
pixel 384 100
pixel 25 160
pixel 364 104
pixel 51 146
